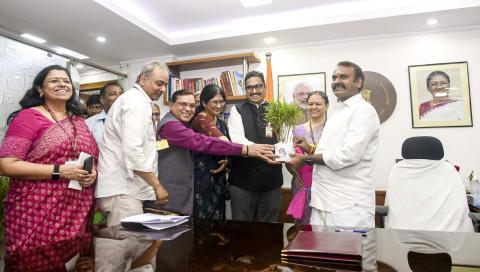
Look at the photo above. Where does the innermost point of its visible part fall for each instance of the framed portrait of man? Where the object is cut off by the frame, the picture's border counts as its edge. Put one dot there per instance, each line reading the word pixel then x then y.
pixel 296 88
pixel 440 95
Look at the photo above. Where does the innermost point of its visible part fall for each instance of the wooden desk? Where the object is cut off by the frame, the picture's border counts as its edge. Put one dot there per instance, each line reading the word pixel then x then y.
pixel 209 245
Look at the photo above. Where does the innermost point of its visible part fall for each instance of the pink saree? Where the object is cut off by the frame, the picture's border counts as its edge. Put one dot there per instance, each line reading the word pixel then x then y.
pixel 39 212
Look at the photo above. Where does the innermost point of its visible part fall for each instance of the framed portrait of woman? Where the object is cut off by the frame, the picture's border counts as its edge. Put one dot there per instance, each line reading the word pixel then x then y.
pixel 440 95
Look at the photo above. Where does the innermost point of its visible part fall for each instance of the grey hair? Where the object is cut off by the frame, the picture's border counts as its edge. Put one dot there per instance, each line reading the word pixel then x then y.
pixel 148 68
pixel 302 84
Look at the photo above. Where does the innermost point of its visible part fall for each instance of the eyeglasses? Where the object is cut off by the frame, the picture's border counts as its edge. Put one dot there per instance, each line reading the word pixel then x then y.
pixel 251 87
pixel 156 114
pixel 185 105
pixel 217 102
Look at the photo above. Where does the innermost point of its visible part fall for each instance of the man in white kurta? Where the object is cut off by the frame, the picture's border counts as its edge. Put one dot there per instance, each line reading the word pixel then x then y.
pixel 127 165
pixel 343 193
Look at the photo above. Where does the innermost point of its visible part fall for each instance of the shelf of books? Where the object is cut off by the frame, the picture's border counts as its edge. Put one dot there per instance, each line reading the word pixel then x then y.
pixel 230 81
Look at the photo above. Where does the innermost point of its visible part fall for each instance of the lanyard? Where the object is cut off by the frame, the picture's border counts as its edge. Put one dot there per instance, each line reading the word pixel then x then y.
pixel 72 140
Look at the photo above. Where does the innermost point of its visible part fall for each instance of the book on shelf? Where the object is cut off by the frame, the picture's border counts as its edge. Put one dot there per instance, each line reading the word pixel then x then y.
pixel 231 83
pixel 238 78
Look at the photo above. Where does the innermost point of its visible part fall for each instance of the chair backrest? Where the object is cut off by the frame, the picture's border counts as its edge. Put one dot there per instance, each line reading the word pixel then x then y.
pixel 428 186
pixel 422 147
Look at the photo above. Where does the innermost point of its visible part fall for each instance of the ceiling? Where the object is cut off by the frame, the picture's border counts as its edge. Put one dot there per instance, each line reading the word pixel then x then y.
pixel 140 29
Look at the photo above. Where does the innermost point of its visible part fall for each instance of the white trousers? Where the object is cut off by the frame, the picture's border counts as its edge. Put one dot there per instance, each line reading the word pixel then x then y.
pixel 118 207
pixel 349 217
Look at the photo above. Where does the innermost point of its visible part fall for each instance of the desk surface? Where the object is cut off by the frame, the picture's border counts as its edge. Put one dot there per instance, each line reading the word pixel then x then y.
pixel 203 245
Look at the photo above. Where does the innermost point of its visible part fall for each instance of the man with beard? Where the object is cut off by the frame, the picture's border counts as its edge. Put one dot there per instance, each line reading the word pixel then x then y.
pixel 300 96
pixel 343 192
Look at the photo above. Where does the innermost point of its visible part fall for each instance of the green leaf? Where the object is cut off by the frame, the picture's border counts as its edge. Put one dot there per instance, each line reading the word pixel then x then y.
pixel 282 116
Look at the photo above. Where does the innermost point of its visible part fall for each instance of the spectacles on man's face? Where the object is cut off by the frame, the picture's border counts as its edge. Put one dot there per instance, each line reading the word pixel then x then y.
pixel 156 114
pixel 252 87
pixel 217 102
pixel 185 105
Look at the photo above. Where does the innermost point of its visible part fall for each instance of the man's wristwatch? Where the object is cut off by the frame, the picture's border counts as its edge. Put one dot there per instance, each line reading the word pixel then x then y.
pixel 308 160
pixel 56 172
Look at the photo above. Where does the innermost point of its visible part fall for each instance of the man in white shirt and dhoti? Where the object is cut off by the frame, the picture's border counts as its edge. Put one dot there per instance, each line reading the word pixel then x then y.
pixel 343 192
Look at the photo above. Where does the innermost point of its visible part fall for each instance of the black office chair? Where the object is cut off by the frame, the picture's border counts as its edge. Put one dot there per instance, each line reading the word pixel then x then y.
pixel 422 147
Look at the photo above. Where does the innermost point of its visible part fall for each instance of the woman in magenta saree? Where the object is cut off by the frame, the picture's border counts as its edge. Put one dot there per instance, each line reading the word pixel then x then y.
pixel 40 208
pixel 311 131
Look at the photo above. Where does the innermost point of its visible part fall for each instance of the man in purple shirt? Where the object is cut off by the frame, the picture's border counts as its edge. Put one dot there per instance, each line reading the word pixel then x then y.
pixel 177 140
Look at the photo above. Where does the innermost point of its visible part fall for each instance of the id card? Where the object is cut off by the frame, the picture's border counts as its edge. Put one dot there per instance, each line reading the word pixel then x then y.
pixel 162 144
pixel 269 131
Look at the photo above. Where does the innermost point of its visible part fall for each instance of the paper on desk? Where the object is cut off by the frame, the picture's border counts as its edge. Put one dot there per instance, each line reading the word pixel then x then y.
pixel 151 218
pixel 165 225
pixel 74 184
pixel 156 221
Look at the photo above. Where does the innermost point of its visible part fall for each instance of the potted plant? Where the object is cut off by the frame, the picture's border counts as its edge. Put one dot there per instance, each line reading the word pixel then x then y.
pixel 282 117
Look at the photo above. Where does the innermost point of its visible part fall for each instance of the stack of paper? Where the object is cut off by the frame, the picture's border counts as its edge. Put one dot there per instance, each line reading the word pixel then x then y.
pixel 155 221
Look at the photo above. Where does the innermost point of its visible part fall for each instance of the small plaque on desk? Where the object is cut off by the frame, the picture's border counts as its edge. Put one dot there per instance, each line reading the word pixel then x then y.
pixel 342 250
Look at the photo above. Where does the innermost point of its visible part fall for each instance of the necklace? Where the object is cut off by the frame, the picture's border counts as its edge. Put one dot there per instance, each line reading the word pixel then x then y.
pixel 71 139
pixel 313 145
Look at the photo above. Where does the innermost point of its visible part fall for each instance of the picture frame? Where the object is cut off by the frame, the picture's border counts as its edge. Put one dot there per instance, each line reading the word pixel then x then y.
pixel 440 95
pixel 288 83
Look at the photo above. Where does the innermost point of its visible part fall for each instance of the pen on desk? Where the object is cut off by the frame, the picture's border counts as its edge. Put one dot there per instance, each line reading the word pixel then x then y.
pixel 354 230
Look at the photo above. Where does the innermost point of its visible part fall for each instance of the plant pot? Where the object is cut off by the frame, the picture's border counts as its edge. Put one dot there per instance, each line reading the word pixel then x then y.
pixel 283 151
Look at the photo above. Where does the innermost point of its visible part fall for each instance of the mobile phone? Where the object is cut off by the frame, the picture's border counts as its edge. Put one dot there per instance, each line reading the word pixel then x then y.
pixel 88 164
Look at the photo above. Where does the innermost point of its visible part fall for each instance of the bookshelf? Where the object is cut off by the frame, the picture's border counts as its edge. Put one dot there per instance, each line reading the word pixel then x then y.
pixel 243 59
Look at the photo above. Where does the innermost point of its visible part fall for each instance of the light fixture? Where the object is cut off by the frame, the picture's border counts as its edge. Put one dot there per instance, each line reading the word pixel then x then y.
pixel 69 52
pixel 254 3
pixel 33 38
pixel 269 40
pixel 432 21
pixel 79 66
pixel 101 39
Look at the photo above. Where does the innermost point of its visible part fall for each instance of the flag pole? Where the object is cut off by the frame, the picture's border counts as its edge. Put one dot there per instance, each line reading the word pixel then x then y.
pixel 269 88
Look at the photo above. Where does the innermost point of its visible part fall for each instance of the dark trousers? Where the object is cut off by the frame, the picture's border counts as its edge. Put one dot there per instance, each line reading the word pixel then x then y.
pixel 244 202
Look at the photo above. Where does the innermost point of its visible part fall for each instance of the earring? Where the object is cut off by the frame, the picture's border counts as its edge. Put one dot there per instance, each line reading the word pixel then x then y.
pixel 41 94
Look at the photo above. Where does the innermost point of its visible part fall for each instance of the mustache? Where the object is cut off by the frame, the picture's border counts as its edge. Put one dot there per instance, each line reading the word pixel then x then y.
pixel 335 85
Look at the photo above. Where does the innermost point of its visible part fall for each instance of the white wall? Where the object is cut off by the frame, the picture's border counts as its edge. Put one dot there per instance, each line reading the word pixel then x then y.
pixel 391 57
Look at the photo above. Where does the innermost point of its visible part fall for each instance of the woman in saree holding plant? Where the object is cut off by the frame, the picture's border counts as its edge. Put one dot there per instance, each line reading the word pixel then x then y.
pixel 40 208
pixel 317 103
pixel 209 171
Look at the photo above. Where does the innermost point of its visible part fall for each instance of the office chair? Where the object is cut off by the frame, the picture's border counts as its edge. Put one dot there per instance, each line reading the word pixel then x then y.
pixel 420 153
